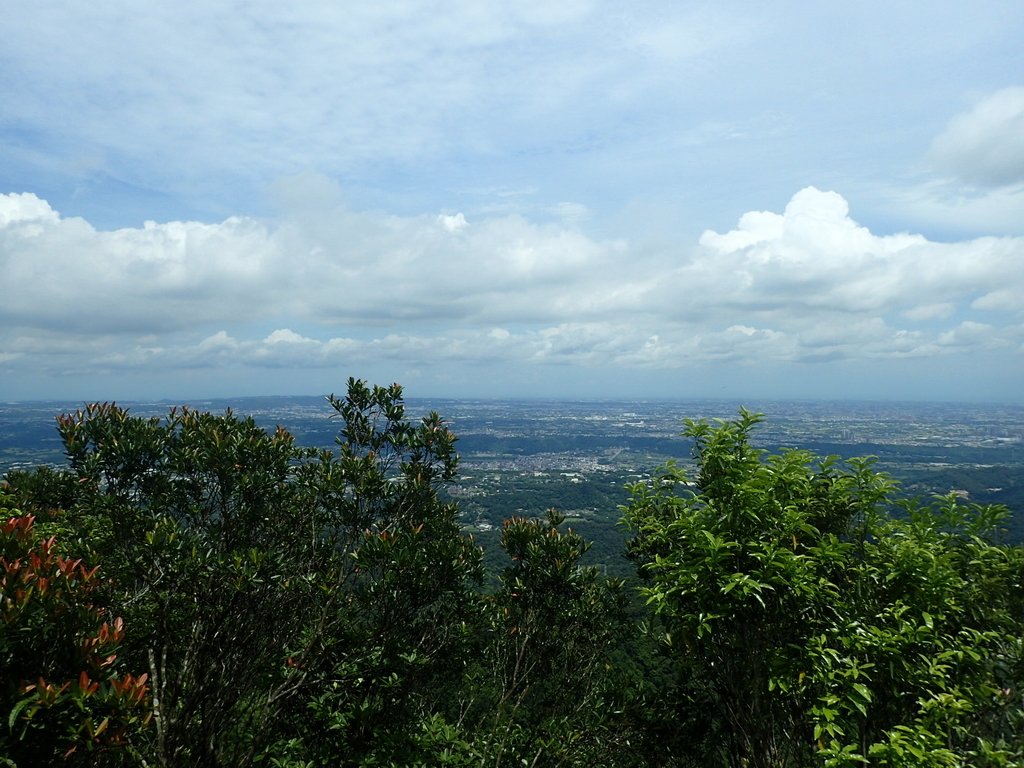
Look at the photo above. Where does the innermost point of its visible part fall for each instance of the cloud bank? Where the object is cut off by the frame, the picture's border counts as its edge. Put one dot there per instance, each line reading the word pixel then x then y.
pixel 327 287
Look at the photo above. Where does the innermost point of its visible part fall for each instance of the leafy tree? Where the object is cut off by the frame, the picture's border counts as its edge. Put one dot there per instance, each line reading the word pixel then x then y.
pixel 556 630
pixel 64 697
pixel 814 627
pixel 928 671
pixel 199 523
pixel 276 590
pixel 394 653
pixel 296 607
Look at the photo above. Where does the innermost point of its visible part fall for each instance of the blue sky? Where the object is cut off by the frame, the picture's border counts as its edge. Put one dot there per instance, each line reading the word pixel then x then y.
pixel 533 199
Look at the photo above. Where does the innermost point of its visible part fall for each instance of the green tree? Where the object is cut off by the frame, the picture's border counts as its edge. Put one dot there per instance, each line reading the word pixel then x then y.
pixel 925 667
pixel 549 681
pixel 278 592
pixel 394 654
pixel 200 524
pixel 815 628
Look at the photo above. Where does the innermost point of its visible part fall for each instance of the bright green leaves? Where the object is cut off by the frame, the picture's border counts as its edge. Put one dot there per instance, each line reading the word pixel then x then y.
pixel 820 629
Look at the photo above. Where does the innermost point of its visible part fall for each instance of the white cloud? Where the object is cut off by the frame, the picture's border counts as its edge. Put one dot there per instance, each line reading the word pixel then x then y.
pixel 24 207
pixel 1000 299
pixel 540 169
pixel 287 336
pixel 62 273
pixel 986 145
pixel 968 333
pixel 814 259
pixel 453 223
pixel 753 228
pixel 338 287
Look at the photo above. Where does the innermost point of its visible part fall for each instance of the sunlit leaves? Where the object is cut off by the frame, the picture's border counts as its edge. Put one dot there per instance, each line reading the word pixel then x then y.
pixel 824 628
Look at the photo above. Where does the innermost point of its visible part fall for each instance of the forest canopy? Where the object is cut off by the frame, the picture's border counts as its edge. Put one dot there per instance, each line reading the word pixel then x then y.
pixel 197 590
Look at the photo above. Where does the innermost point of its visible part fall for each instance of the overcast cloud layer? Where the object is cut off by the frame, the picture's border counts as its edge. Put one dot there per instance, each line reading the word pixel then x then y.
pixel 475 201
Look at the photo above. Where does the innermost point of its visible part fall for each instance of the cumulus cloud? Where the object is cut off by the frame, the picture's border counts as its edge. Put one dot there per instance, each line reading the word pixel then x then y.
pixel 814 259
pixel 64 274
pixel 338 287
pixel 985 145
pixel 341 267
pixel 24 207
pixel 453 223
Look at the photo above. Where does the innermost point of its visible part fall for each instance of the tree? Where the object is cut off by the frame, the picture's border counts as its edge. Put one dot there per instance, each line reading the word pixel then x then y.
pixel 274 588
pixel 814 627
pixel 64 697
pixel 394 653
pixel 554 634
pixel 199 523
pixel 287 606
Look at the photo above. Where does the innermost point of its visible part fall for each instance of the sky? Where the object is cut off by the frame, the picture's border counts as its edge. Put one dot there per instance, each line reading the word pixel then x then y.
pixel 533 199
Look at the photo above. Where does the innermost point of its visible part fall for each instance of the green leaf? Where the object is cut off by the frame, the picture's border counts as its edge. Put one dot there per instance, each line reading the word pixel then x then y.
pixel 15 711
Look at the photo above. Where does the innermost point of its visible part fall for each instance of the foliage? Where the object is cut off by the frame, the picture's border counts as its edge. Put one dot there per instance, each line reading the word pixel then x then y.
pixel 394 653
pixel 65 698
pixel 818 629
pixel 186 507
pixel 275 588
pixel 297 607
pixel 555 630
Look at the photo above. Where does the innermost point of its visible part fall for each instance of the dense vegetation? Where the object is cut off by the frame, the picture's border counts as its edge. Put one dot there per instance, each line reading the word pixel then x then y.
pixel 194 590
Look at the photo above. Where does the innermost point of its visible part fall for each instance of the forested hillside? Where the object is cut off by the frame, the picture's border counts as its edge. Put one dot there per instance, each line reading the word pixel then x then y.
pixel 198 590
